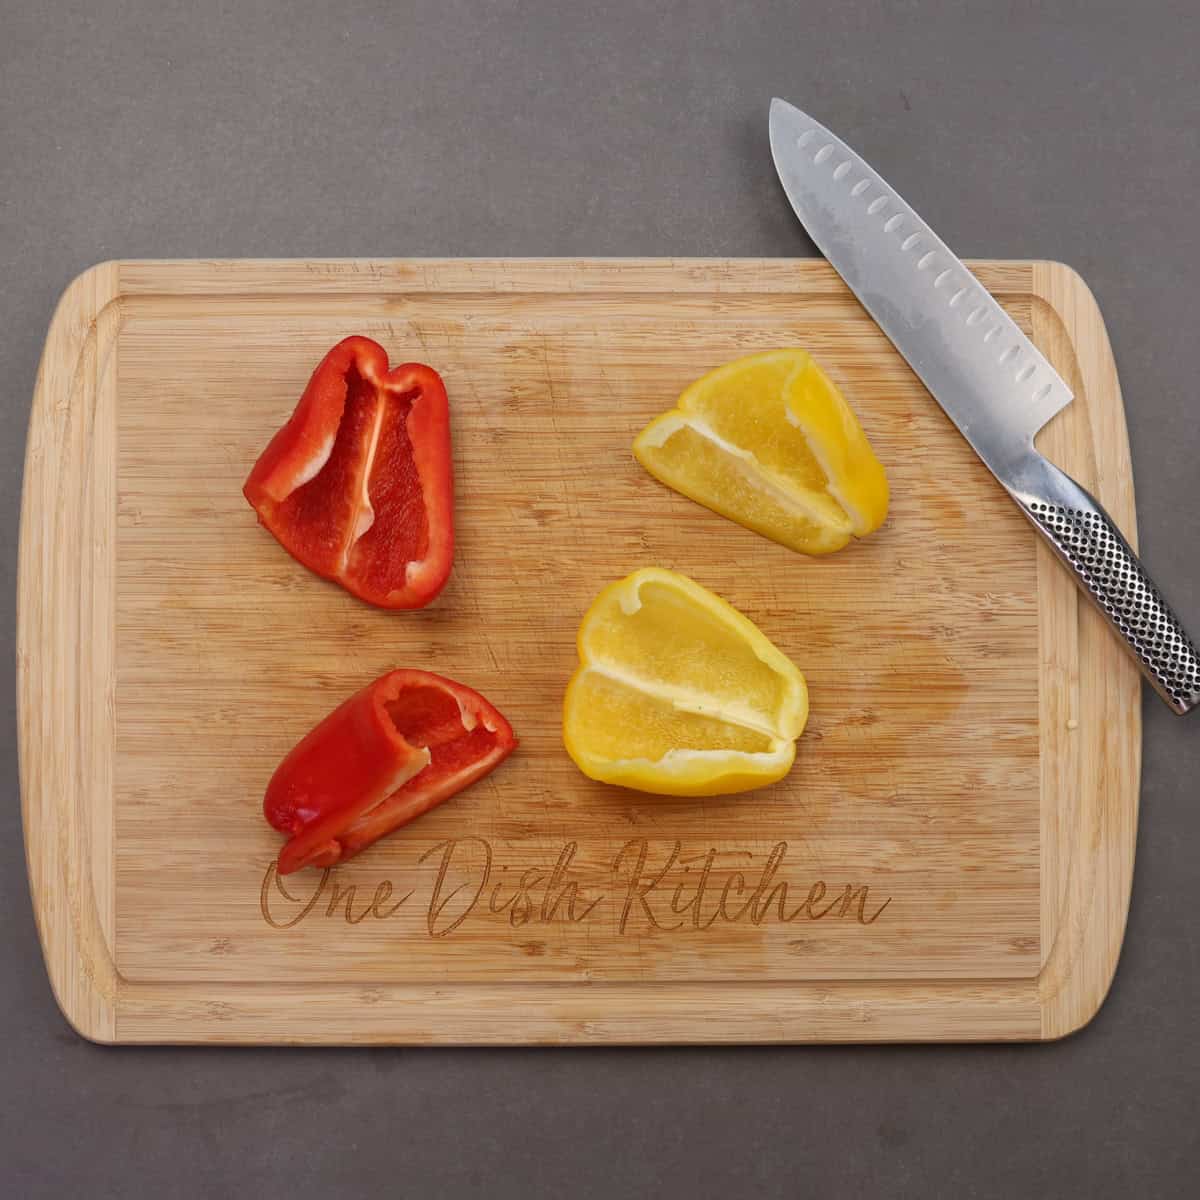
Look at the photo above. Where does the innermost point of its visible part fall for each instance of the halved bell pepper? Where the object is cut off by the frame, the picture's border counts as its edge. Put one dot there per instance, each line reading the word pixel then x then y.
pixel 769 441
pixel 357 485
pixel 384 757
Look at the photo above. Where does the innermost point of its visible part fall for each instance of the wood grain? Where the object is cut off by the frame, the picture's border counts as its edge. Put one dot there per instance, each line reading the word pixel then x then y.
pixel 950 859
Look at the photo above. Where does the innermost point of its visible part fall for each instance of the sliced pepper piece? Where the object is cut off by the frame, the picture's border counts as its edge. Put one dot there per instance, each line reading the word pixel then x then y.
pixel 384 757
pixel 358 484
pixel 678 693
pixel 770 442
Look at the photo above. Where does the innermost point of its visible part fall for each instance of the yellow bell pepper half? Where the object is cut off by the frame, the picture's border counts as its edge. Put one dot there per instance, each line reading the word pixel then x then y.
pixel 678 693
pixel 771 443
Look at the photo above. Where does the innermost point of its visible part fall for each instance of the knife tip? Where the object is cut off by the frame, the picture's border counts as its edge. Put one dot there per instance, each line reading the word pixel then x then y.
pixel 782 122
pixel 784 115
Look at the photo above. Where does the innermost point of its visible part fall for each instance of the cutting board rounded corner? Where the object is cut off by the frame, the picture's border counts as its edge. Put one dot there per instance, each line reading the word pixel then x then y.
pixel 66 682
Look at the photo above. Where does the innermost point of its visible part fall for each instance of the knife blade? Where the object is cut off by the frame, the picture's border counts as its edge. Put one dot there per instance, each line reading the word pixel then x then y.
pixel 988 377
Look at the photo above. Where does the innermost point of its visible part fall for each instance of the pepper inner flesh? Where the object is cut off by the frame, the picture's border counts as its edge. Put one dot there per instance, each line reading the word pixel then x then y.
pixel 364 511
pixel 399 532
pixel 431 719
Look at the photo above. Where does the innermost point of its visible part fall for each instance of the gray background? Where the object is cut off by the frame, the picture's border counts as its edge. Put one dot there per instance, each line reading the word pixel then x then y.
pixel 1065 131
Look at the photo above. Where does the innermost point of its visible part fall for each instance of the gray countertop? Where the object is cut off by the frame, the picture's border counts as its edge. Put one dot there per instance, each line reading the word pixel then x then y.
pixel 1025 130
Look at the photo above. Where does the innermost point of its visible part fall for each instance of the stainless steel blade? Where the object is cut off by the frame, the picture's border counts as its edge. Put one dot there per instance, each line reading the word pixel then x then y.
pixel 991 380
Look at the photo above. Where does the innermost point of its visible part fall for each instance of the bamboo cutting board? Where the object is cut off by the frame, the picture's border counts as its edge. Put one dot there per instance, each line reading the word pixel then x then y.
pixel 950 858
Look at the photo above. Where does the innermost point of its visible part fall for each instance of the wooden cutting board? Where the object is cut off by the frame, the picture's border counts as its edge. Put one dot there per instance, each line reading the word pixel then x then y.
pixel 950 858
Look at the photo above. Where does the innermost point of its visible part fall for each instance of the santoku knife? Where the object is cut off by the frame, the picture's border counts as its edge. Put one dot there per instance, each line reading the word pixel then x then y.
pixel 990 379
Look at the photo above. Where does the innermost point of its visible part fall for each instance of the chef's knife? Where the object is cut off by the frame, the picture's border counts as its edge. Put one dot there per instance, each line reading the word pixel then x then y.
pixel 990 379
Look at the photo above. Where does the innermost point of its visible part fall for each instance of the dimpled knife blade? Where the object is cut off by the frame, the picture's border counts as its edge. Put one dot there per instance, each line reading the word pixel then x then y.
pixel 988 377
pixel 994 384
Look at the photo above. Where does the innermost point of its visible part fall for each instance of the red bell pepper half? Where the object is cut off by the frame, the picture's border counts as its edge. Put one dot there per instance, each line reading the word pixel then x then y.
pixel 391 752
pixel 357 485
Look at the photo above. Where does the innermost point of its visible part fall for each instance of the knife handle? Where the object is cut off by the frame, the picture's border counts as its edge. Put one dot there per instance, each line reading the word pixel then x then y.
pixel 1088 541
